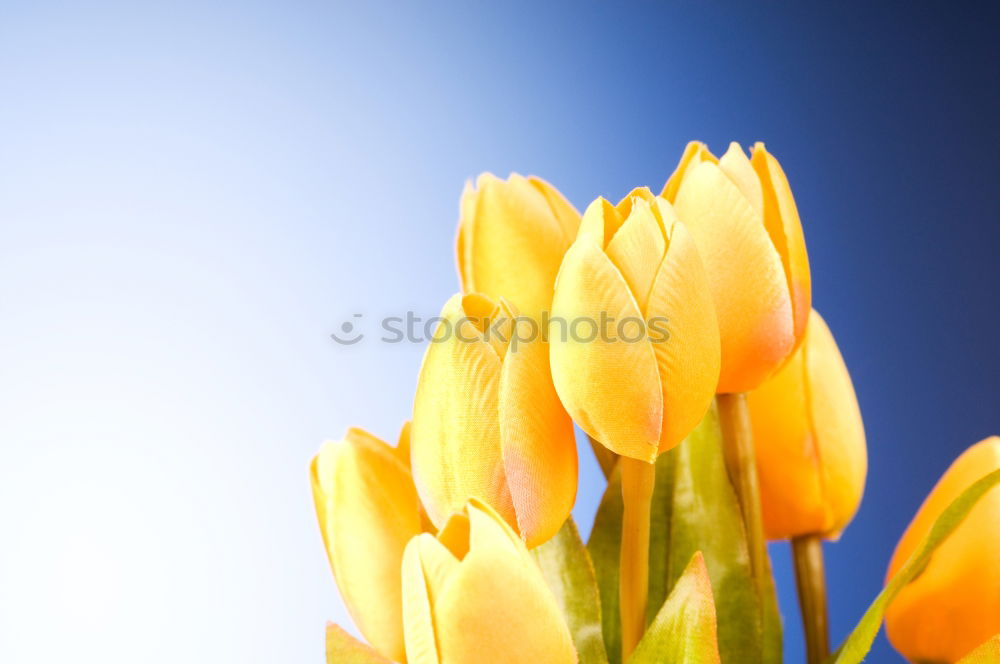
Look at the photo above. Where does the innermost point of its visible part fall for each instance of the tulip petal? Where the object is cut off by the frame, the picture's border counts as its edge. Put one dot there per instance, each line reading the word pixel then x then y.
pixel 792 494
pixel 781 218
pixel 463 246
pixel 837 426
pixel 498 608
pixel 745 272
pixel 737 166
pixel 455 436
pixel 342 648
pixel 418 617
pixel 566 216
pixel 694 153
pixel 689 358
pixel 513 244
pixel 368 510
pixel 611 388
pixel 538 442
pixel 637 249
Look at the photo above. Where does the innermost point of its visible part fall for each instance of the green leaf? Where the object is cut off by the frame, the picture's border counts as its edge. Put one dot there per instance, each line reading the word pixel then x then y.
pixel 694 509
pixel 859 642
pixel 684 630
pixel 342 648
pixel 570 575
pixel 604 547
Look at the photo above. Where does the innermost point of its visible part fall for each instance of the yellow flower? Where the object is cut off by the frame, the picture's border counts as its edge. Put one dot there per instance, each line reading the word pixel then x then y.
pixel 512 235
pixel 368 510
pixel 954 604
pixel 487 422
pixel 473 594
pixel 745 223
pixel 810 441
pixel 635 342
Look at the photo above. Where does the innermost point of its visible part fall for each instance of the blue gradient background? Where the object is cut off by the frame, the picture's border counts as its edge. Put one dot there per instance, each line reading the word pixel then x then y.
pixel 194 195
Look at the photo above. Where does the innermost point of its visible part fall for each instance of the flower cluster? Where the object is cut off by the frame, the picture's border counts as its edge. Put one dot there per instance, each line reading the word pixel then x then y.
pixel 737 424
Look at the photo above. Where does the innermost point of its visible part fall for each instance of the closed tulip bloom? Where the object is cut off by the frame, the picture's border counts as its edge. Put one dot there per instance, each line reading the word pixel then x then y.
pixel 512 235
pixel 953 605
pixel 368 510
pixel 635 342
pixel 810 441
pixel 473 594
pixel 487 422
pixel 745 223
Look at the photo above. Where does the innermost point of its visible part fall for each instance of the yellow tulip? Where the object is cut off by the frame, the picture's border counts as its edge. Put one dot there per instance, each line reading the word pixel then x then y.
pixel 512 235
pixel 810 441
pixel 473 594
pixel 633 267
pixel 368 510
pixel 953 606
pixel 487 422
pixel 745 223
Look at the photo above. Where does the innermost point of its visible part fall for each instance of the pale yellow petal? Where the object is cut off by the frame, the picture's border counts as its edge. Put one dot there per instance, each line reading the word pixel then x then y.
pixel 637 249
pixel 539 446
pixel 694 153
pixel 418 616
pixel 611 388
pixel 368 511
pixel 499 609
pixel 514 243
pixel 746 275
pixel 737 166
pixel 688 355
pixel 463 247
pixel 781 218
pixel 566 216
pixel 455 435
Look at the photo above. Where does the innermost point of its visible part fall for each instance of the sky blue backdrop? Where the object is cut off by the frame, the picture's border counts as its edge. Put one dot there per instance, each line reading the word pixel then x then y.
pixel 193 195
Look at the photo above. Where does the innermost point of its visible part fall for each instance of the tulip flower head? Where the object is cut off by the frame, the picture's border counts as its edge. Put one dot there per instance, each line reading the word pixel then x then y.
pixel 512 235
pixel 954 604
pixel 368 510
pixel 474 594
pixel 634 267
pixel 745 223
pixel 810 441
pixel 487 423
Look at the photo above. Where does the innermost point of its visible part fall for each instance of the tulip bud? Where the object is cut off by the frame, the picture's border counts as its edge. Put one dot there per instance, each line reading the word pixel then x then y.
pixel 954 603
pixel 635 342
pixel 368 510
pixel 474 594
pixel 511 239
pixel 745 223
pixel 487 422
pixel 810 441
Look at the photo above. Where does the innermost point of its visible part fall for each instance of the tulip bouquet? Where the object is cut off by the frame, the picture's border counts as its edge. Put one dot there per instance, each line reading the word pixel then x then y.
pixel 677 332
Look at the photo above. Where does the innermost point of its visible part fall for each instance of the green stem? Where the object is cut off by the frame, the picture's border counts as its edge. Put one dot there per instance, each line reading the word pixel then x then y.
pixel 742 466
pixel 810 579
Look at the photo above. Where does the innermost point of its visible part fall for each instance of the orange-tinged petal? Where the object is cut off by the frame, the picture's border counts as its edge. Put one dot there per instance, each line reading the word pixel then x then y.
pixel 810 441
pixel 455 435
pixel 368 510
pixel 496 604
pixel 511 240
pixel 837 425
pixel 688 358
pixel 954 604
pixel 985 653
pixel 537 439
pixel 745 273
pixel 781 218
pixel 694 153
pixel 611 388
